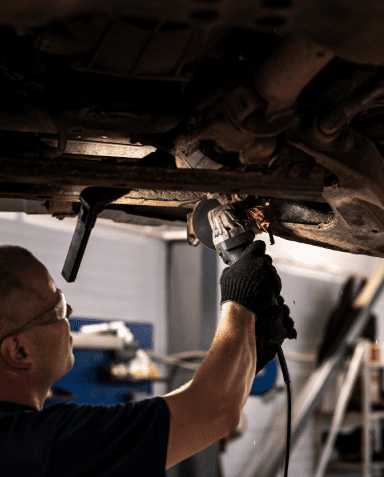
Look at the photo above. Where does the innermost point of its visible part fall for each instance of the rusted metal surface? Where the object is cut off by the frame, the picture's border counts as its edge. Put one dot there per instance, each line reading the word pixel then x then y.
pixel 357 199
pixel 30 119
pixel 40 192
pixel 109 140
pixel 191 234
pixel 60 147
pixel 189 156
pixel 247 120
pixel 60 209
pixel 287 71
pixel 264 14
pixel 96 148
pixel 351 107
pixel 278 183
pixel 131 49
pixel 273 210
pixel 258 150
pixel 231 127
pixel 123 217
pixel 36 119
pixel 351 28
pixel 165 195
pixel 70 194
pixel 115 124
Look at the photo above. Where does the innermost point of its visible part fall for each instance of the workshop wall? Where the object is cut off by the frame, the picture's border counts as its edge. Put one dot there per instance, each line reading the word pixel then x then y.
pixel 126 277
pixel 191 318
pixel 312 278
pixel 122 276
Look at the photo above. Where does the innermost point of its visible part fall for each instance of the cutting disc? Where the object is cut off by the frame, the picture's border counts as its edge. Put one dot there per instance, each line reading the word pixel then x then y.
pixel 200 221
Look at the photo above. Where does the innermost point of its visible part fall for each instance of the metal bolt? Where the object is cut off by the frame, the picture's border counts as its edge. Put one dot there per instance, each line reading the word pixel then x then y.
pixel 239 197
pixel 316 171
pixel 294 170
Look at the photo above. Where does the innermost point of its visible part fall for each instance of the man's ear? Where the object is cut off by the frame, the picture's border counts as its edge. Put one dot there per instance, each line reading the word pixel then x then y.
pixel 14 354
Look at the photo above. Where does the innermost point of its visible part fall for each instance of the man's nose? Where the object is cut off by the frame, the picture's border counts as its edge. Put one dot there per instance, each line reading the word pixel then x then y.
pixel 69 311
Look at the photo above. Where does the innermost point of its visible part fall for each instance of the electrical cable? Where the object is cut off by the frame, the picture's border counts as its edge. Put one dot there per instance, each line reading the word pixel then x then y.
pixel 287 380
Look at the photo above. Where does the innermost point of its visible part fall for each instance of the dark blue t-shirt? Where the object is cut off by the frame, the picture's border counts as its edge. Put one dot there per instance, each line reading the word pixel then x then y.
pixel 84 440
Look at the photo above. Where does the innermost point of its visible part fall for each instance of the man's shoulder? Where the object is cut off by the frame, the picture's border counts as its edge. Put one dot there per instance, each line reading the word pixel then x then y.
pixel 154 405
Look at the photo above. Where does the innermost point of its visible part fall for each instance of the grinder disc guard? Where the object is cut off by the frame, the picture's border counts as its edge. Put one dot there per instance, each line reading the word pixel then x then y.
pixel 200 221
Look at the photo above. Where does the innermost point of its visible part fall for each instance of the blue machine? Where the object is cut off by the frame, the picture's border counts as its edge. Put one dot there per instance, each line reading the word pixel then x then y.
pixel 87 384
pixel 266 378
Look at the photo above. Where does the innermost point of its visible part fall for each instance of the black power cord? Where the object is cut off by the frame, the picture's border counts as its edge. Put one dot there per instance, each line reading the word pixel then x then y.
pixel 275 333
pixel 287 380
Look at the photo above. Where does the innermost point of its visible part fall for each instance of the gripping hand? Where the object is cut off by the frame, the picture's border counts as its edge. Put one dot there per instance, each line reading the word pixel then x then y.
pixel 252 282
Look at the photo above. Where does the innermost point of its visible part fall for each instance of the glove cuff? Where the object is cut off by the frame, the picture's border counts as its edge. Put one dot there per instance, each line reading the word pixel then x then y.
pixel 243 292
pixel 234 301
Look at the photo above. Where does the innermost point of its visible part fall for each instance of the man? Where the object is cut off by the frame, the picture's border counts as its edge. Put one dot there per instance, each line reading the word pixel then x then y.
pixel 135 439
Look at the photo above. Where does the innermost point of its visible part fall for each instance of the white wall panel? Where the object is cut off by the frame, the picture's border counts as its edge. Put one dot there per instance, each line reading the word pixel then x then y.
pixel 122 276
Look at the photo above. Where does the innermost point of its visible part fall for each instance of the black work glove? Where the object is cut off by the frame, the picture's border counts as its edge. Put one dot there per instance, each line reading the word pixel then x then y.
pixel 252 282
pixel 274 324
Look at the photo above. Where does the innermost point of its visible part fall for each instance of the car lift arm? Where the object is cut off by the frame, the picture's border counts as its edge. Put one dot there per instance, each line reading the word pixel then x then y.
pixel 93 201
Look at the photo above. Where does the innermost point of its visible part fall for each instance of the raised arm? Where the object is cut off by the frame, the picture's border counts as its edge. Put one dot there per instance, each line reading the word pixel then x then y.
pixel 208 407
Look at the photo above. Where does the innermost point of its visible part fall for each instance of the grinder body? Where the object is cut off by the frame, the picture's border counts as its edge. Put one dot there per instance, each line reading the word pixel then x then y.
pixel 231 232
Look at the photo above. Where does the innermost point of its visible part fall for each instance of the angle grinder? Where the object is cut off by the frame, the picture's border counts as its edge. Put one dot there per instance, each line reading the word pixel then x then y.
pixel 227 227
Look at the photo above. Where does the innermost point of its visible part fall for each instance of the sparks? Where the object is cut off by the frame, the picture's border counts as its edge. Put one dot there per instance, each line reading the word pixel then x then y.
pixel 257 218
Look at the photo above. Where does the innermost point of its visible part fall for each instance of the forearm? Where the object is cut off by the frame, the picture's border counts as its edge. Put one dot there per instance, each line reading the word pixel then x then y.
pixel 227 372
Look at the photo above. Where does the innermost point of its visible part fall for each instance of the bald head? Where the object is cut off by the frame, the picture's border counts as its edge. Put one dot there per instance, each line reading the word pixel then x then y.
pixel 33 359
pixel 24 284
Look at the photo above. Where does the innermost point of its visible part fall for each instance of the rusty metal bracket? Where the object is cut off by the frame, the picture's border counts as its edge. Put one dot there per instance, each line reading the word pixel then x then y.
pixel 247 119
pixel 69 173
pixel 54 152
pixel 286 72
pixel 357 199
pixel 331 123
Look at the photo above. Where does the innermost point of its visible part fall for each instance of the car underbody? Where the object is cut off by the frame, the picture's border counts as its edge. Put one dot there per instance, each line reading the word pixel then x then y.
pixel 179 101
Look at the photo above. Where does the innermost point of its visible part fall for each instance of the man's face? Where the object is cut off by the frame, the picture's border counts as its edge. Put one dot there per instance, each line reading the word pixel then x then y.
pixel 50 345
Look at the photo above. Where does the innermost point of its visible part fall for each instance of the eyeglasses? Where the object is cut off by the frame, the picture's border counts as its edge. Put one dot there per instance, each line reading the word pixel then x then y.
pixel 47 318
